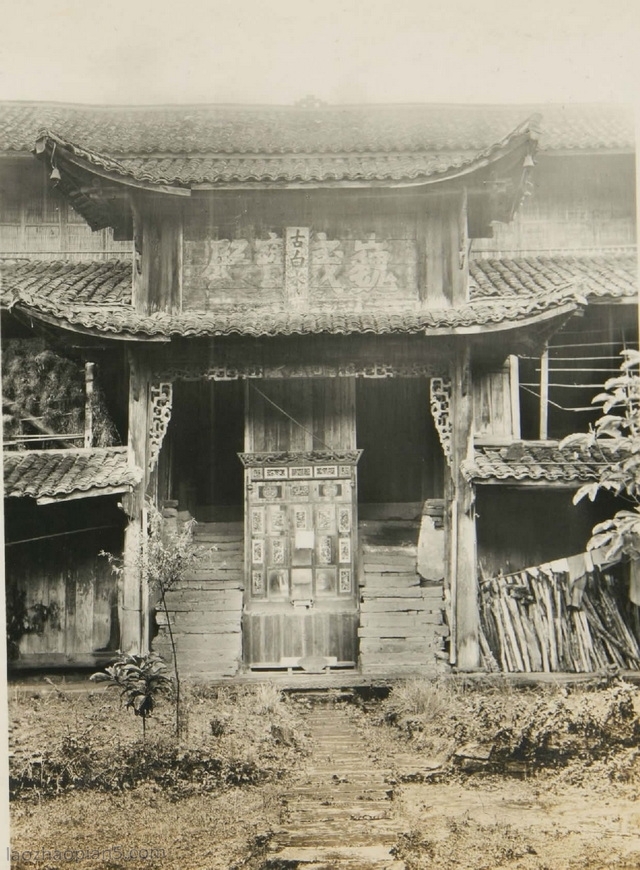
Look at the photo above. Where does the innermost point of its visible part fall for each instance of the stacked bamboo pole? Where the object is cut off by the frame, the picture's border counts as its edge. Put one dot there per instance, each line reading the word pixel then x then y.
pixel 530 623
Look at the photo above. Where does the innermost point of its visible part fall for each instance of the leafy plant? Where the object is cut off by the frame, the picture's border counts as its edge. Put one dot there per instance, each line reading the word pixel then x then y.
pixel 141 679
pixel 164 559
pixel 615 441
pixel 167 557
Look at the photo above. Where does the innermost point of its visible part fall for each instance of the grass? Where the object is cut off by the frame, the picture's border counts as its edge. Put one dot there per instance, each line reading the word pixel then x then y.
pixel 230 738
pixel 82 779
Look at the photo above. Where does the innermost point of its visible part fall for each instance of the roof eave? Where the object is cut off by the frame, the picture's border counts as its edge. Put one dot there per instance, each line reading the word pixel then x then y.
pixel 536 324
pixel 72 161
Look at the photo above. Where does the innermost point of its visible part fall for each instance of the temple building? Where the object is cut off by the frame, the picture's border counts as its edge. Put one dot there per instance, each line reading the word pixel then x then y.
pixel 346 340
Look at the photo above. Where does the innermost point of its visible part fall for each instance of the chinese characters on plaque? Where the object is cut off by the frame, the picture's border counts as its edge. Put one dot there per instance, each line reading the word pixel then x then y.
pixel 296 264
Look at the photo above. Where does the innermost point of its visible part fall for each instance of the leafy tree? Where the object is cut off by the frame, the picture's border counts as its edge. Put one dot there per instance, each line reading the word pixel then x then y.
pixel 164 559
pixel 614 440
pixel 141 680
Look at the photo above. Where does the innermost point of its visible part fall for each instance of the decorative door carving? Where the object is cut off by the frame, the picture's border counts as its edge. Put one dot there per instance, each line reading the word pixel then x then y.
pixel 301 590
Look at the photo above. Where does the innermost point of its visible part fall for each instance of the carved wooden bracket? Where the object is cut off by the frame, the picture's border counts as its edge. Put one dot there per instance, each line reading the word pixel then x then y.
pixel 160 399
pixel 440 401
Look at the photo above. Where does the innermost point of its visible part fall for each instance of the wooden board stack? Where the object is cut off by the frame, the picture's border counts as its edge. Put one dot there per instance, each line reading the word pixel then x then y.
pixel 400 619
pixel 534 621
pixel 206 610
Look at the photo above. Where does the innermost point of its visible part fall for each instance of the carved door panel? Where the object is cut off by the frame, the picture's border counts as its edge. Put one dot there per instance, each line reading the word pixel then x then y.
pixel 301 590
pixel 300 522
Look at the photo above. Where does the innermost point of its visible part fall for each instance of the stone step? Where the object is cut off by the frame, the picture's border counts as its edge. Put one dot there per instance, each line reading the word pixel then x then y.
pixel 339 813
pixel 356 857
pixel 336 839
pixel 371 794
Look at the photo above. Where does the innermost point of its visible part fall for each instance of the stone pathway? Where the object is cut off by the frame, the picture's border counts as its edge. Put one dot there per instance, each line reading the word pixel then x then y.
pixel 339 814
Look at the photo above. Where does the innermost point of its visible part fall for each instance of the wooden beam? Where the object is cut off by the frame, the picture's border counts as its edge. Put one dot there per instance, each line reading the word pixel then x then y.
pixel 513 483
pixel 87 493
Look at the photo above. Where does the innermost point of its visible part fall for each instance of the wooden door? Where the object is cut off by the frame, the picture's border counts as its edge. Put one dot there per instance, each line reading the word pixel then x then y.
pixel 301 605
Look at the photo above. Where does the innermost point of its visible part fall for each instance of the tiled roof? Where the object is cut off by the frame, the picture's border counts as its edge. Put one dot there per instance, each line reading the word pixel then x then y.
pixel 60 473
pixel 606 275
pixel 326 167
pixel 294 166
pixel 63 282
pixel 97 295
pixel 260 130
pixel 526 461
pixel 111 313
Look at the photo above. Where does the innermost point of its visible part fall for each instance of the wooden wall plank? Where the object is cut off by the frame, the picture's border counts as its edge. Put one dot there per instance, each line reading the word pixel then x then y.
pixel 493 404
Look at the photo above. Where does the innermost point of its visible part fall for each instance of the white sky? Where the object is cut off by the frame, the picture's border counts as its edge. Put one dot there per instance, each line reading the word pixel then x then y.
pixel 277 51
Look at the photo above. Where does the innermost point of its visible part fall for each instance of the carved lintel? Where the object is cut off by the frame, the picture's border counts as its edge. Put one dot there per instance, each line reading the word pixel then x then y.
pixel 222 372
pixel 440 401
pixel 348 457
pixel 160 399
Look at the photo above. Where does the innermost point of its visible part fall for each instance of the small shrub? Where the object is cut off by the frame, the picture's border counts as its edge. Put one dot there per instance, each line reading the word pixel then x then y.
pixel 427 699
pixel 267 698
pixel 141 679
pixel 219 725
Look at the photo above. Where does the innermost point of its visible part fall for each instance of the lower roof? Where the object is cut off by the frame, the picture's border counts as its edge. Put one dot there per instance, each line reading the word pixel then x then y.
pixel 604 275
pixel 95 297
pixel 538 462
pixel 52 475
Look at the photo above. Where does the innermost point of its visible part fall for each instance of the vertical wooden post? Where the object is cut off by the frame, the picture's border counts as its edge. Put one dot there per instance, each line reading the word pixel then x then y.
pixel 88 403
pixel 131 596
pixel 463 562
pixel 544 395
pixel 442 250
pixel 514 389
pixel 157 271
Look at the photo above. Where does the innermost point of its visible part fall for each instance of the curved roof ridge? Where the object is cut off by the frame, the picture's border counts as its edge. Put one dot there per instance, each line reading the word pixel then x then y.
pixel 323 106
pixel 270 128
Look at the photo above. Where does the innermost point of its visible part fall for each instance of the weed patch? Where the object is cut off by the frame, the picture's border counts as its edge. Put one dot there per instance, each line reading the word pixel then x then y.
pixel 467 844
pixel 494 727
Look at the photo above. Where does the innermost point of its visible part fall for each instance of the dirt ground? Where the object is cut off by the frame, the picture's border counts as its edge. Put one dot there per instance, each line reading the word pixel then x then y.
pixel 475 784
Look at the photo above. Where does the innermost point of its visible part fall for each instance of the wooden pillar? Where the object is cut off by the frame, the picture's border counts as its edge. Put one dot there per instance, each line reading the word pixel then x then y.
pixel 131 595
pixel 514 392
pixel 544 395
pixel 157 271
pixel 89 369
pixel 443 269
pixel 463 561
